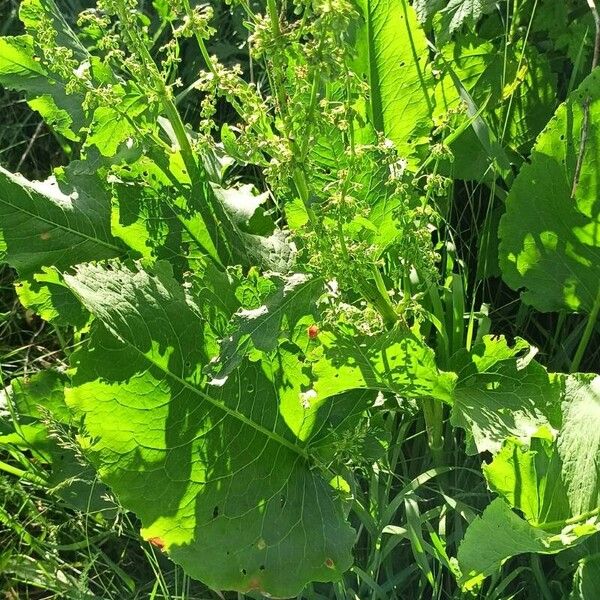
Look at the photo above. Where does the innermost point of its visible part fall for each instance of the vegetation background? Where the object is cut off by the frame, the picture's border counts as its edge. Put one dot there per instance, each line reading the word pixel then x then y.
pixel 49 549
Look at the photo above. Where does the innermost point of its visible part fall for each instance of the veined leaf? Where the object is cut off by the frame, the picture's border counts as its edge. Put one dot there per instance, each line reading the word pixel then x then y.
pixel 262 328
pixel 458 12
pixel 48 297
pixel 495 536
pixel 56 222
pixel 396 362
pixel 502 393
pixel 554 482
pixel 393 56
pixel 214 473
pixel 549 243
pixel 579 441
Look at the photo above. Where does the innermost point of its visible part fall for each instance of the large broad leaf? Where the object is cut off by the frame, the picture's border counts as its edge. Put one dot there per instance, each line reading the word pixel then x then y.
pixel 397 362
pixel 58 222
pixel 501 393
pixel 494 537
pixel 214 473
pixel 529 478
pixel 549 237
pixel 393 57
pixel 579 442
pixel 553 482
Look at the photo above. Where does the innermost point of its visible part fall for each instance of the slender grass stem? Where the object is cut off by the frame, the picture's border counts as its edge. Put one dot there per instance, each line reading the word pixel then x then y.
pixel 587 333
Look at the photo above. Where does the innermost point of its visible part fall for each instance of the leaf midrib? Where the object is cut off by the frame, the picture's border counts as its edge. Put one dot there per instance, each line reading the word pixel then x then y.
pixel 53 223
pixel 229 411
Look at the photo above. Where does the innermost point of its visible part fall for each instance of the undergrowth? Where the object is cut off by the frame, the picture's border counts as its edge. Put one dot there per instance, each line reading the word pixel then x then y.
pixel 286 273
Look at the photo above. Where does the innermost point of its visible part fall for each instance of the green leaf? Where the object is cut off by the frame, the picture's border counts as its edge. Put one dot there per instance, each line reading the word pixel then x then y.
pixel 426 8
pixel 262 328
pixel 336 362
pixel 586 581
pixel 396 361
pixel 19 70
pixel 59 222
pixel 392 50
pixel 37 405
pixel 553 481
pixel 493 538
pixel 548 238
pixel 579 442
pixel 459 12
pixel 36 13
pixel 528 477
pixel 48 297
pixel 213 472
pixel 502 393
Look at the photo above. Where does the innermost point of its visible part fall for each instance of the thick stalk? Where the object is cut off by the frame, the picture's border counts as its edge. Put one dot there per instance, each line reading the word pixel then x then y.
pixel 572 521
pixel 433 411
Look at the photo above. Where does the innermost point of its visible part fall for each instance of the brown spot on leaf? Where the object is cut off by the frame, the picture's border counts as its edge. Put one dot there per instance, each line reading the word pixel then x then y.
pixel 254 584
pixel 329 563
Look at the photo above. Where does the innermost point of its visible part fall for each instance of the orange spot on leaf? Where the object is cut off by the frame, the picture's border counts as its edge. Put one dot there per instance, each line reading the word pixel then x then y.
pixel 157 542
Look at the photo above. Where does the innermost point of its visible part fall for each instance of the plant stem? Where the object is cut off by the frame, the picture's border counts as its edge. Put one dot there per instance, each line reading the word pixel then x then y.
pixel 274 16
pixel 433 411
pixel 587 333
pixel 572 521
pixel 538 573
pixel 22 474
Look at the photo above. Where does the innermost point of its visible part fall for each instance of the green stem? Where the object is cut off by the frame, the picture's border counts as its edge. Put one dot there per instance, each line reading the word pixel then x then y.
pixel 433 412
pixel 274 16
pixel 22 474
pixel 587 334
pixel 540 577
pixel 572 521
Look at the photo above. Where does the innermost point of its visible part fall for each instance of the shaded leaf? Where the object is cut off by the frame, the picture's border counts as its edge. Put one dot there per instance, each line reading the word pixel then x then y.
pixel 38 407
pixel 213 472
pixel 262 328
pixel 494 537
pixel 459 12
pixel 19 70
pixel 502 393
pixel 58 222
pixel 549 244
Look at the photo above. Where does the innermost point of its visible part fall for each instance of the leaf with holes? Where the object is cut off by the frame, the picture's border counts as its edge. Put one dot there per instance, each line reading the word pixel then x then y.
pixel 213 472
